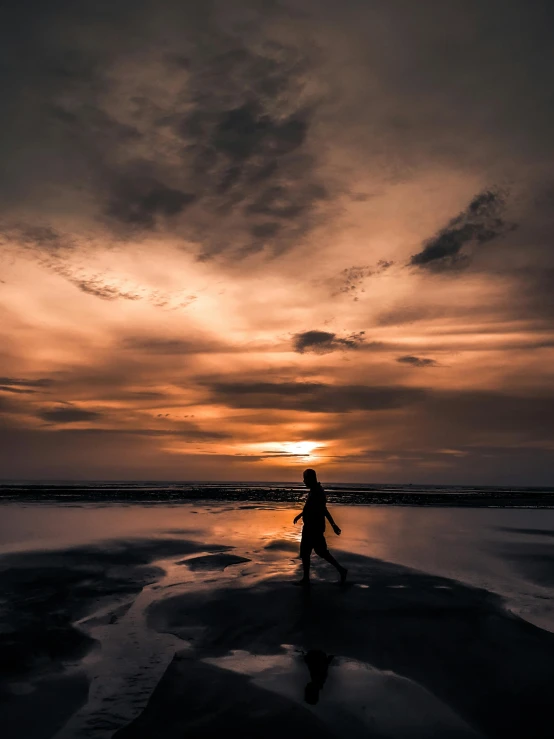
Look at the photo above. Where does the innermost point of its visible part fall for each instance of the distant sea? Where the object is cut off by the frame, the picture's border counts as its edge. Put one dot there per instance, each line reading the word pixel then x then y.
pixel 152 492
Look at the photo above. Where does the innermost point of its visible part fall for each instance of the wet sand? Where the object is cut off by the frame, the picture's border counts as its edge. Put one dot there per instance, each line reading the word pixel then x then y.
pixel 186 632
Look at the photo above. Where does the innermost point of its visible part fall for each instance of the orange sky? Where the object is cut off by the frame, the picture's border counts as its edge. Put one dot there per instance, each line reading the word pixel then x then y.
pixel 241 242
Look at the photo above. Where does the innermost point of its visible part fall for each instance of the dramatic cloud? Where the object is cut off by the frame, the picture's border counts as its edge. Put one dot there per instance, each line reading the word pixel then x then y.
pixel 188 187
pixel 479 223
pixel 323 342
pixel 222 157
pixel 417 361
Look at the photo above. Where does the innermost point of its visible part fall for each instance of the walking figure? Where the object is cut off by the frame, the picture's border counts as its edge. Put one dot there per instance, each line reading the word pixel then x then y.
pixel 314 514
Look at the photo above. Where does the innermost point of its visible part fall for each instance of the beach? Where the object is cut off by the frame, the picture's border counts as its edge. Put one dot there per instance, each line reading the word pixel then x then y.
pixel 134 621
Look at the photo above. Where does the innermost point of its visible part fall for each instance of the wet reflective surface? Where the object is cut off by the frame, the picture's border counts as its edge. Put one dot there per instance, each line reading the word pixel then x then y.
pixel 177 596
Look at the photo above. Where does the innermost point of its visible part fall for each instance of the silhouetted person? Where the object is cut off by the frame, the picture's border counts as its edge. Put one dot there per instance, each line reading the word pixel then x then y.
pixel 318 664
pixel 313 532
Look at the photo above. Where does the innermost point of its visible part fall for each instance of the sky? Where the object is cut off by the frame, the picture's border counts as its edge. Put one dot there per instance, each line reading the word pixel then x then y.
pixel 239 238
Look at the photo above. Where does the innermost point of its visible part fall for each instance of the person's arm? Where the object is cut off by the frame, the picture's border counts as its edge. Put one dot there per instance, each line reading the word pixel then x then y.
pixel 297 518
pixel 331 521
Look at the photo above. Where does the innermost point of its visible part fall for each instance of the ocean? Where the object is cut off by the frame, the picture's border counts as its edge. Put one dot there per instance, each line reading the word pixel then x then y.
pixel 151 491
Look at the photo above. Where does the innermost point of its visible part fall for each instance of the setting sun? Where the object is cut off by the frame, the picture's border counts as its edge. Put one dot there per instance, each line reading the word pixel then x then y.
pixel 302 448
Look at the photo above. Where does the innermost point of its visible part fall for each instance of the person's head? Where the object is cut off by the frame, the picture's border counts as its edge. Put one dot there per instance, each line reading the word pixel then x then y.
pixel 310 478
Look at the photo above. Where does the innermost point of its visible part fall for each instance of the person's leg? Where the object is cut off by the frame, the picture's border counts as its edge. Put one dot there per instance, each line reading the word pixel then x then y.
pixel 306 566
pixel 324 553
pixel 305 554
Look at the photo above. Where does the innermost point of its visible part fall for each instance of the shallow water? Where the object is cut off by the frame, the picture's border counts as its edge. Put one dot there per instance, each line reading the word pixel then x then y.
pixel 507 551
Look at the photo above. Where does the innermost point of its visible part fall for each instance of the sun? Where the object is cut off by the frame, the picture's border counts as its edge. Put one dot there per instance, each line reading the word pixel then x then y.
pixel 286 452
pixel 300 448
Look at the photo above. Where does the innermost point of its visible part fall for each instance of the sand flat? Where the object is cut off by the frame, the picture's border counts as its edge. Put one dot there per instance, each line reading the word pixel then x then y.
pixel 443 629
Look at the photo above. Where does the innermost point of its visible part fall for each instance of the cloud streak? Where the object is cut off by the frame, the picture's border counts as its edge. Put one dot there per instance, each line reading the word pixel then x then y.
pixel 324 342
pixel 417 361
pixel 18 382
pixel 314 397
pixel 68 414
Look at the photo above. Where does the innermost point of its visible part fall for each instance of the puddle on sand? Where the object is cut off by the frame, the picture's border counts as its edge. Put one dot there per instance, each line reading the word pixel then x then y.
pixel 131 658
pixel 123 671
pixel 356 699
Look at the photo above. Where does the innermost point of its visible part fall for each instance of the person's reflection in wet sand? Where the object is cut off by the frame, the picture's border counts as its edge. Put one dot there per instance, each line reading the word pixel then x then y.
pixel 318 664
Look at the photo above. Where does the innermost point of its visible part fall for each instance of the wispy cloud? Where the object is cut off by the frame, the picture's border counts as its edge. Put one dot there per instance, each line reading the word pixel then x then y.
pixel 352 280
pixel 64 254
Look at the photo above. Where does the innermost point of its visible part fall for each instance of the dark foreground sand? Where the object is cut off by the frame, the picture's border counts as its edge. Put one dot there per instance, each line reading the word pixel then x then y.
pixel 167 637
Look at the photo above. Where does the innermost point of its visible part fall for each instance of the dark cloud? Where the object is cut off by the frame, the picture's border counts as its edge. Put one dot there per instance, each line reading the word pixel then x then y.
pixel 190 432
pixel 223 158
pixel 68 414
pixel 16 390
pixel 46 240
pixel 417 361
pixel 478 224
pixel 246 138
pixel 243 131
pixel 18 382
pixel 215 122
pixel 313 397
pixel 324 342
pixel 140 201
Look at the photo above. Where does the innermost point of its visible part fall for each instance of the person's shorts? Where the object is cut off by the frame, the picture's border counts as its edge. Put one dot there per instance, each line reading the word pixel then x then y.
pixel 313 540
